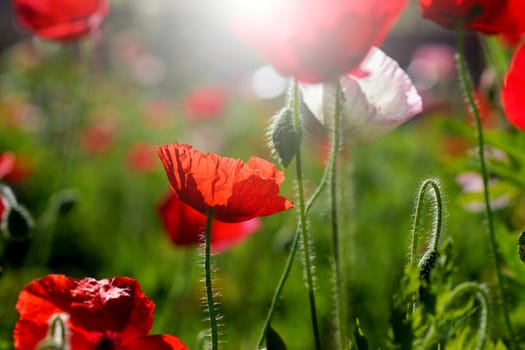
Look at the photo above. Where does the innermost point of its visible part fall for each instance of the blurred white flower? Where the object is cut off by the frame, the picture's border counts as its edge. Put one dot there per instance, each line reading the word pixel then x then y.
pixel 375 100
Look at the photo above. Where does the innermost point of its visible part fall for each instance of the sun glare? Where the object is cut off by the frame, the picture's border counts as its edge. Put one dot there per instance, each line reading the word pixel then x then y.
pixel 258 7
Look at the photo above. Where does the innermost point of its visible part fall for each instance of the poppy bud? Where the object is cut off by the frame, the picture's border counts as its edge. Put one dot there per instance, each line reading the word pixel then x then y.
pixel 285 138
pixel 57 334
pixel 65 202
pixel 426 264
pixel 18 225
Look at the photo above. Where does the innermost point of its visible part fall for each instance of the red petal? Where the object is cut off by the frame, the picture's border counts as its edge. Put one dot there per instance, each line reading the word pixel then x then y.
pixel 513 93
pixel 487 16
pixel 234 190
pixel 61 19
pixel 37 302
pixel 155 342
pixel 186 226
pixel 316 40
pixel 94 307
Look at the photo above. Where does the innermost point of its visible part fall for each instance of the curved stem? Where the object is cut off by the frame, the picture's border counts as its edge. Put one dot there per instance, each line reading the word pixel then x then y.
pixel 438 218
pixel 303 226
pixel 209 290
pixel 332 166
pixel 483 297
pixel 467 87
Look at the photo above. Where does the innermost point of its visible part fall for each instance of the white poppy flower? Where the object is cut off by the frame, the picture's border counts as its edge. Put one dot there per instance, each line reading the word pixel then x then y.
pixel 374 102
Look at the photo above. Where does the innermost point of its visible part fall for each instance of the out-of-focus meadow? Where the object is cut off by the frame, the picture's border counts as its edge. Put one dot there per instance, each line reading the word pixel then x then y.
pixel 84 120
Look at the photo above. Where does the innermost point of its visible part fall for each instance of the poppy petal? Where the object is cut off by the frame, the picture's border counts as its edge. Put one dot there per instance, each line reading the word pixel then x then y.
pixel 235 191
pixel 314 40
pixel 185 226
pixel 61 19
pixel 513 92
pixel 155 342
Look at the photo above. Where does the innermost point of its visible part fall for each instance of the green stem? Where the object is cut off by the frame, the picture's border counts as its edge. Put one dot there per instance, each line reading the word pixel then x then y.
pixel 289 261
pixel 483 296
pixel 438 218
pixel 209 290
pixel 467 87
pixel 303 225
pixel 332 166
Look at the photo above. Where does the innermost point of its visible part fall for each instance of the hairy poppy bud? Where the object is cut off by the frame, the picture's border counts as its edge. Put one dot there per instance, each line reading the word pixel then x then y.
pixel 426 264
pixel 285 137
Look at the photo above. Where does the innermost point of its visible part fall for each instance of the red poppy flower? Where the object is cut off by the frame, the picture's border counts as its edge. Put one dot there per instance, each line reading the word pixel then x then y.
pixel 7 163
pixel 487 16
pixel 185 226
pixel 205 102
pixel 234 190
pixel 315 40
pixel 513 93
pixel 110 313
pixel 61 19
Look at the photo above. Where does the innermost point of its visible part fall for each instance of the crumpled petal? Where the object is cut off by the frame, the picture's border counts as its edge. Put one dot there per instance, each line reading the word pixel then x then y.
pixel 234 190
pixel 513 92
pixel 113 306
pixel 376 101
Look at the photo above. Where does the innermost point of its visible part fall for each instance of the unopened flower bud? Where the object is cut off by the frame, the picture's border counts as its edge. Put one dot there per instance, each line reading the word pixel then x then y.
pixel 285 137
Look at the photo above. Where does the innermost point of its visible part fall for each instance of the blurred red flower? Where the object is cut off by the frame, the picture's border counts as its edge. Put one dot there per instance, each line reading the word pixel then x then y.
pixel 98 138
pixel 486 16
pixel 14 168
pixel 7 163
pixel 141 157
pixel 314 40
pixel 185 226
pixel 513 92
pixel 107 314
pixel 234 190
pixel 205 102
pixel 61 19
pixel 4 208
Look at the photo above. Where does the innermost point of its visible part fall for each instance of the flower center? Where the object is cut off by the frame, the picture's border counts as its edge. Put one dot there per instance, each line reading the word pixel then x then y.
pixel 107 341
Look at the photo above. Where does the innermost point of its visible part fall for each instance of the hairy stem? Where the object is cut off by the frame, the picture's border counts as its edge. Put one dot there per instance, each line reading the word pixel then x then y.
pixel 289 261
pixel 332 166
pixel 304 227
pixel 209 289
pixel 467 87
